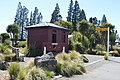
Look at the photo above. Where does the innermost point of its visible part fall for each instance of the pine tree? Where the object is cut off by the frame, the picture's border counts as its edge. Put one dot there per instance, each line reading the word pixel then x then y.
pixel 82 15
pixel 104 20
pixel 39 18
pixel 56 14
pixel 35 15
pixel 21 19
pixel 76 15
pixel 31 18
pixel 18 14
pixel 70 12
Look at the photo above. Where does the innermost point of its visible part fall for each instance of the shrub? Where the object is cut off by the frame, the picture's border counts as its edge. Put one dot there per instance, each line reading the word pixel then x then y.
pixel 9 57
pixel 21 74
pixel 2 58
pixel 23 50
pixel 2 48
pixel 74 55
pixel 114 53
pixel 30 64
pixel 22 44
pixel 49 74
pixel 105 57
pixel 100 47
pixel 69 64
pixel 37 74
pixel 33 51
pixel 13 70
pixel 101 52
pixel 116 48
pixel 63 56
pixel 79 47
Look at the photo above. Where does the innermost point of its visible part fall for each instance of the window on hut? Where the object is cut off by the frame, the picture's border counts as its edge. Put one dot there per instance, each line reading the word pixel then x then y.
pixel 53 38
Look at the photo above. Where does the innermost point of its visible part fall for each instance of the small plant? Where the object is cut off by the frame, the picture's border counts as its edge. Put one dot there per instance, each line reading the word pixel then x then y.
pixel 22 44
pixel 2 58
pixel 49 74
pixel 13 70
pixel 63 56
pixel 100 47
pixel 69 64
pixel 105 57
pixel 74 55
pixel 101 53
pixel 9 57
pixel 2 48
pixel 21 74
pixel 114 53
pixel 37 74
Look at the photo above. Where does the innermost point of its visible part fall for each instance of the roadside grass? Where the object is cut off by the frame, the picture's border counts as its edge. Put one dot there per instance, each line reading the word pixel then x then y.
pixel 69 64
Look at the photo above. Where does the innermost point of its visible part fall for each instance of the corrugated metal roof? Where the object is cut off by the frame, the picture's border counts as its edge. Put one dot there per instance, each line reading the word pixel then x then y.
pixel 46 24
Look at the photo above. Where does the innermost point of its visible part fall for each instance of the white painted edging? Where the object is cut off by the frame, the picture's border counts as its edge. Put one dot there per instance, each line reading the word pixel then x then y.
pixel 88 64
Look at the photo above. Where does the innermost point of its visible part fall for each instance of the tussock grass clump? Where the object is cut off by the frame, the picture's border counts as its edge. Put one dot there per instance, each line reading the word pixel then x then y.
pixel 13 70
pixel 2 58
pixel 70 64
pixel 37 74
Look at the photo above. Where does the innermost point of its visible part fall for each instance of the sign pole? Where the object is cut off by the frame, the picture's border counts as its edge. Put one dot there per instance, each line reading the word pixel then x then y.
pixel 108 43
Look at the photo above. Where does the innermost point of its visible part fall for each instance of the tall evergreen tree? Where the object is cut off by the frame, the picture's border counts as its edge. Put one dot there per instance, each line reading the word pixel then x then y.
pixel 21 19
pixel 56 14
pixel 31 19
pixel 70 12
pixel 18 14
pixel 39 18
pixel 104 20
pixel 76 15
pixel 35 15
pixel 82 15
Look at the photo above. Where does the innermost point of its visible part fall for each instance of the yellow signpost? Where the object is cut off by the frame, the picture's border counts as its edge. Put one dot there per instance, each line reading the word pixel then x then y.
pixel 101 29
pixel 105 29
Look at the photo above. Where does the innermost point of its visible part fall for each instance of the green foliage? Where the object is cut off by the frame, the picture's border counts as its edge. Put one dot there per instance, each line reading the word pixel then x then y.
pixel 21 19
pixel 65 24
pixel 101 53
pixel 105 57
pixel 2 48
pixel 2 58
pixel 33 51
pixel 9 57
pixel 76 15
pixel 13 29
pixel 75 42
pixel 37 73
pixel 13 70
pixel 21 74
pixel 114 53
pixel 100 47
pixel 79 47
pixel 70 11
pixel 5 49
pixel 22 44
pixel 4 36
pixel 56 14
pixel 69 64
pixel 104 20
pixel 49 74
pixel 87 42
pixel 36 17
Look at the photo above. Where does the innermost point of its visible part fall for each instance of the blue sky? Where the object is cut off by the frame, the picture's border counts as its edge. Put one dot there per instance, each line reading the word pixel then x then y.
pixel 93 8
